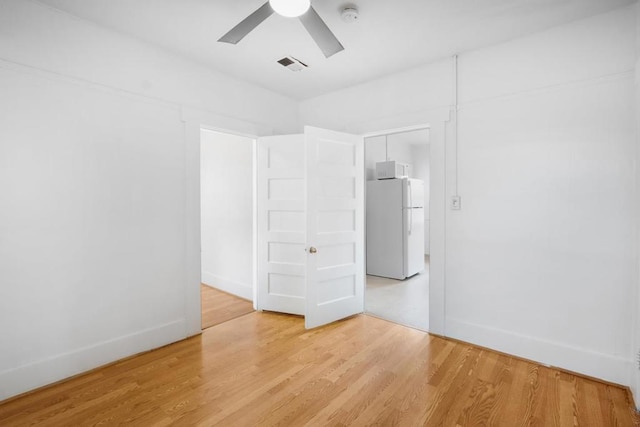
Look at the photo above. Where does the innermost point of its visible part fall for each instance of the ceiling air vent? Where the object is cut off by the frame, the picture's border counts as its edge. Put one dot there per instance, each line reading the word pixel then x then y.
pixel 292 63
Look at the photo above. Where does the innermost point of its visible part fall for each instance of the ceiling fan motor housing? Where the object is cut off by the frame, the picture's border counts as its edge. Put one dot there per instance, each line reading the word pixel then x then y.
pixel 312 22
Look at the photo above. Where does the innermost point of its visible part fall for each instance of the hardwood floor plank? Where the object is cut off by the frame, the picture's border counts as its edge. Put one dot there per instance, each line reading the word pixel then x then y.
pixel 622 408
pixel 266 369
pixel 219 306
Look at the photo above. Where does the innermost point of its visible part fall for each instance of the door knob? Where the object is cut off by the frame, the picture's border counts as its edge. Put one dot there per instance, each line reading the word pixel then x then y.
pixel 312 250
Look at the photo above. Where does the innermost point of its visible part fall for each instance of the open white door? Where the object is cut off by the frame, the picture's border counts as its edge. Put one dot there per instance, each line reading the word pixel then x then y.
pixel 335 226
pixel 281 224
pixel 310 208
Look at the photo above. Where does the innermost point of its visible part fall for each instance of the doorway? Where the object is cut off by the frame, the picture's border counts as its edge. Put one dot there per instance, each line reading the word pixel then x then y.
pixel 227 172
pixel 226 225
pixel 388 295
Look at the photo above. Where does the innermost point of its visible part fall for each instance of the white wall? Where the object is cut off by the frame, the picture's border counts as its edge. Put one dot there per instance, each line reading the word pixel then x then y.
pixel 375 151
pixel 45 38
pixel 226 187
pixel 97 213
pixel 378 150
pixel 538 262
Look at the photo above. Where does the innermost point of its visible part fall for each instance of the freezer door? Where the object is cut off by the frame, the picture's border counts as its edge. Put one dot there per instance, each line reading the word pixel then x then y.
pixel 413 193
pixel 413 219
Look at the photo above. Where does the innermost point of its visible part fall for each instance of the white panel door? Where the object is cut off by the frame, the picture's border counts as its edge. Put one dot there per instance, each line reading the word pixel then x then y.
pixel 281 222
pixel 335 226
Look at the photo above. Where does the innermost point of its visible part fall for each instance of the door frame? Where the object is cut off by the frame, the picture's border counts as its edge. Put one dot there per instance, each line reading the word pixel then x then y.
pixel 442 176
pixel 194 120
pixel 389 132
pixel 439 118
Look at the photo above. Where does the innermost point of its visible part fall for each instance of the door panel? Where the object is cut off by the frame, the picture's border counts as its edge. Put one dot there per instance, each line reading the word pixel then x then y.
pixel 281 224
pixel 335 226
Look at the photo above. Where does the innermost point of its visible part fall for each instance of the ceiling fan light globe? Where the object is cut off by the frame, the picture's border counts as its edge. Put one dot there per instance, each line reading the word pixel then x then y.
pixel 290 8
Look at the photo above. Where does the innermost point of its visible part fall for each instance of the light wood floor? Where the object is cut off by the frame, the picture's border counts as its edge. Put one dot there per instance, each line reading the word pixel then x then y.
pixel 265 369
pixel 219 307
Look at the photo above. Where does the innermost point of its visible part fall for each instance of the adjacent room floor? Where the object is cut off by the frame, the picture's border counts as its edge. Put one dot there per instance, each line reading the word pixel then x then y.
pixel 219 307
pixel 401 301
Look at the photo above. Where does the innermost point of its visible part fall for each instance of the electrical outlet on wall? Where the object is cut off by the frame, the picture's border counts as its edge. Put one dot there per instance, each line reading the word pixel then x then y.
pixel 455 203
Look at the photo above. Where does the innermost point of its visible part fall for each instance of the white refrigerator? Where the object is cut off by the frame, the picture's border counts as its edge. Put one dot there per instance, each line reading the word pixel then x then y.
pixel 395 227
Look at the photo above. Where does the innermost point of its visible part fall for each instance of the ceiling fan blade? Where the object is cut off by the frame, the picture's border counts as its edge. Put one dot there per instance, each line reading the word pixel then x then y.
pixel 320 33
pixel 247 25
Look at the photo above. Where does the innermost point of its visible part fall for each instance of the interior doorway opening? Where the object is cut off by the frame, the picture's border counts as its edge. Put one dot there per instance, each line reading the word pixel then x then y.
pixel 396 290
pixel 226 225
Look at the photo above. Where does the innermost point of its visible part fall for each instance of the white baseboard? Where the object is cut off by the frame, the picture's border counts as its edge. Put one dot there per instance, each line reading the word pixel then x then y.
pixel 242 290
pixel 598 365
pixel 42 372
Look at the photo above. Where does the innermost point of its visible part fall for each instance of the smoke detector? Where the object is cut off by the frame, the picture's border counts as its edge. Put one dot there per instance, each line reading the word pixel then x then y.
pixel 292 63
pixel 350 14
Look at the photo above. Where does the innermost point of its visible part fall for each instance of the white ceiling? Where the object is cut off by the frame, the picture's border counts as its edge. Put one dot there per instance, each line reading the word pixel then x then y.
pixel 390 36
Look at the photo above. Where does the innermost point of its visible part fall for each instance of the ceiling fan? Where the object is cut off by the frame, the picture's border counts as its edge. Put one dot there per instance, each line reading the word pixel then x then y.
pixel 302 9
